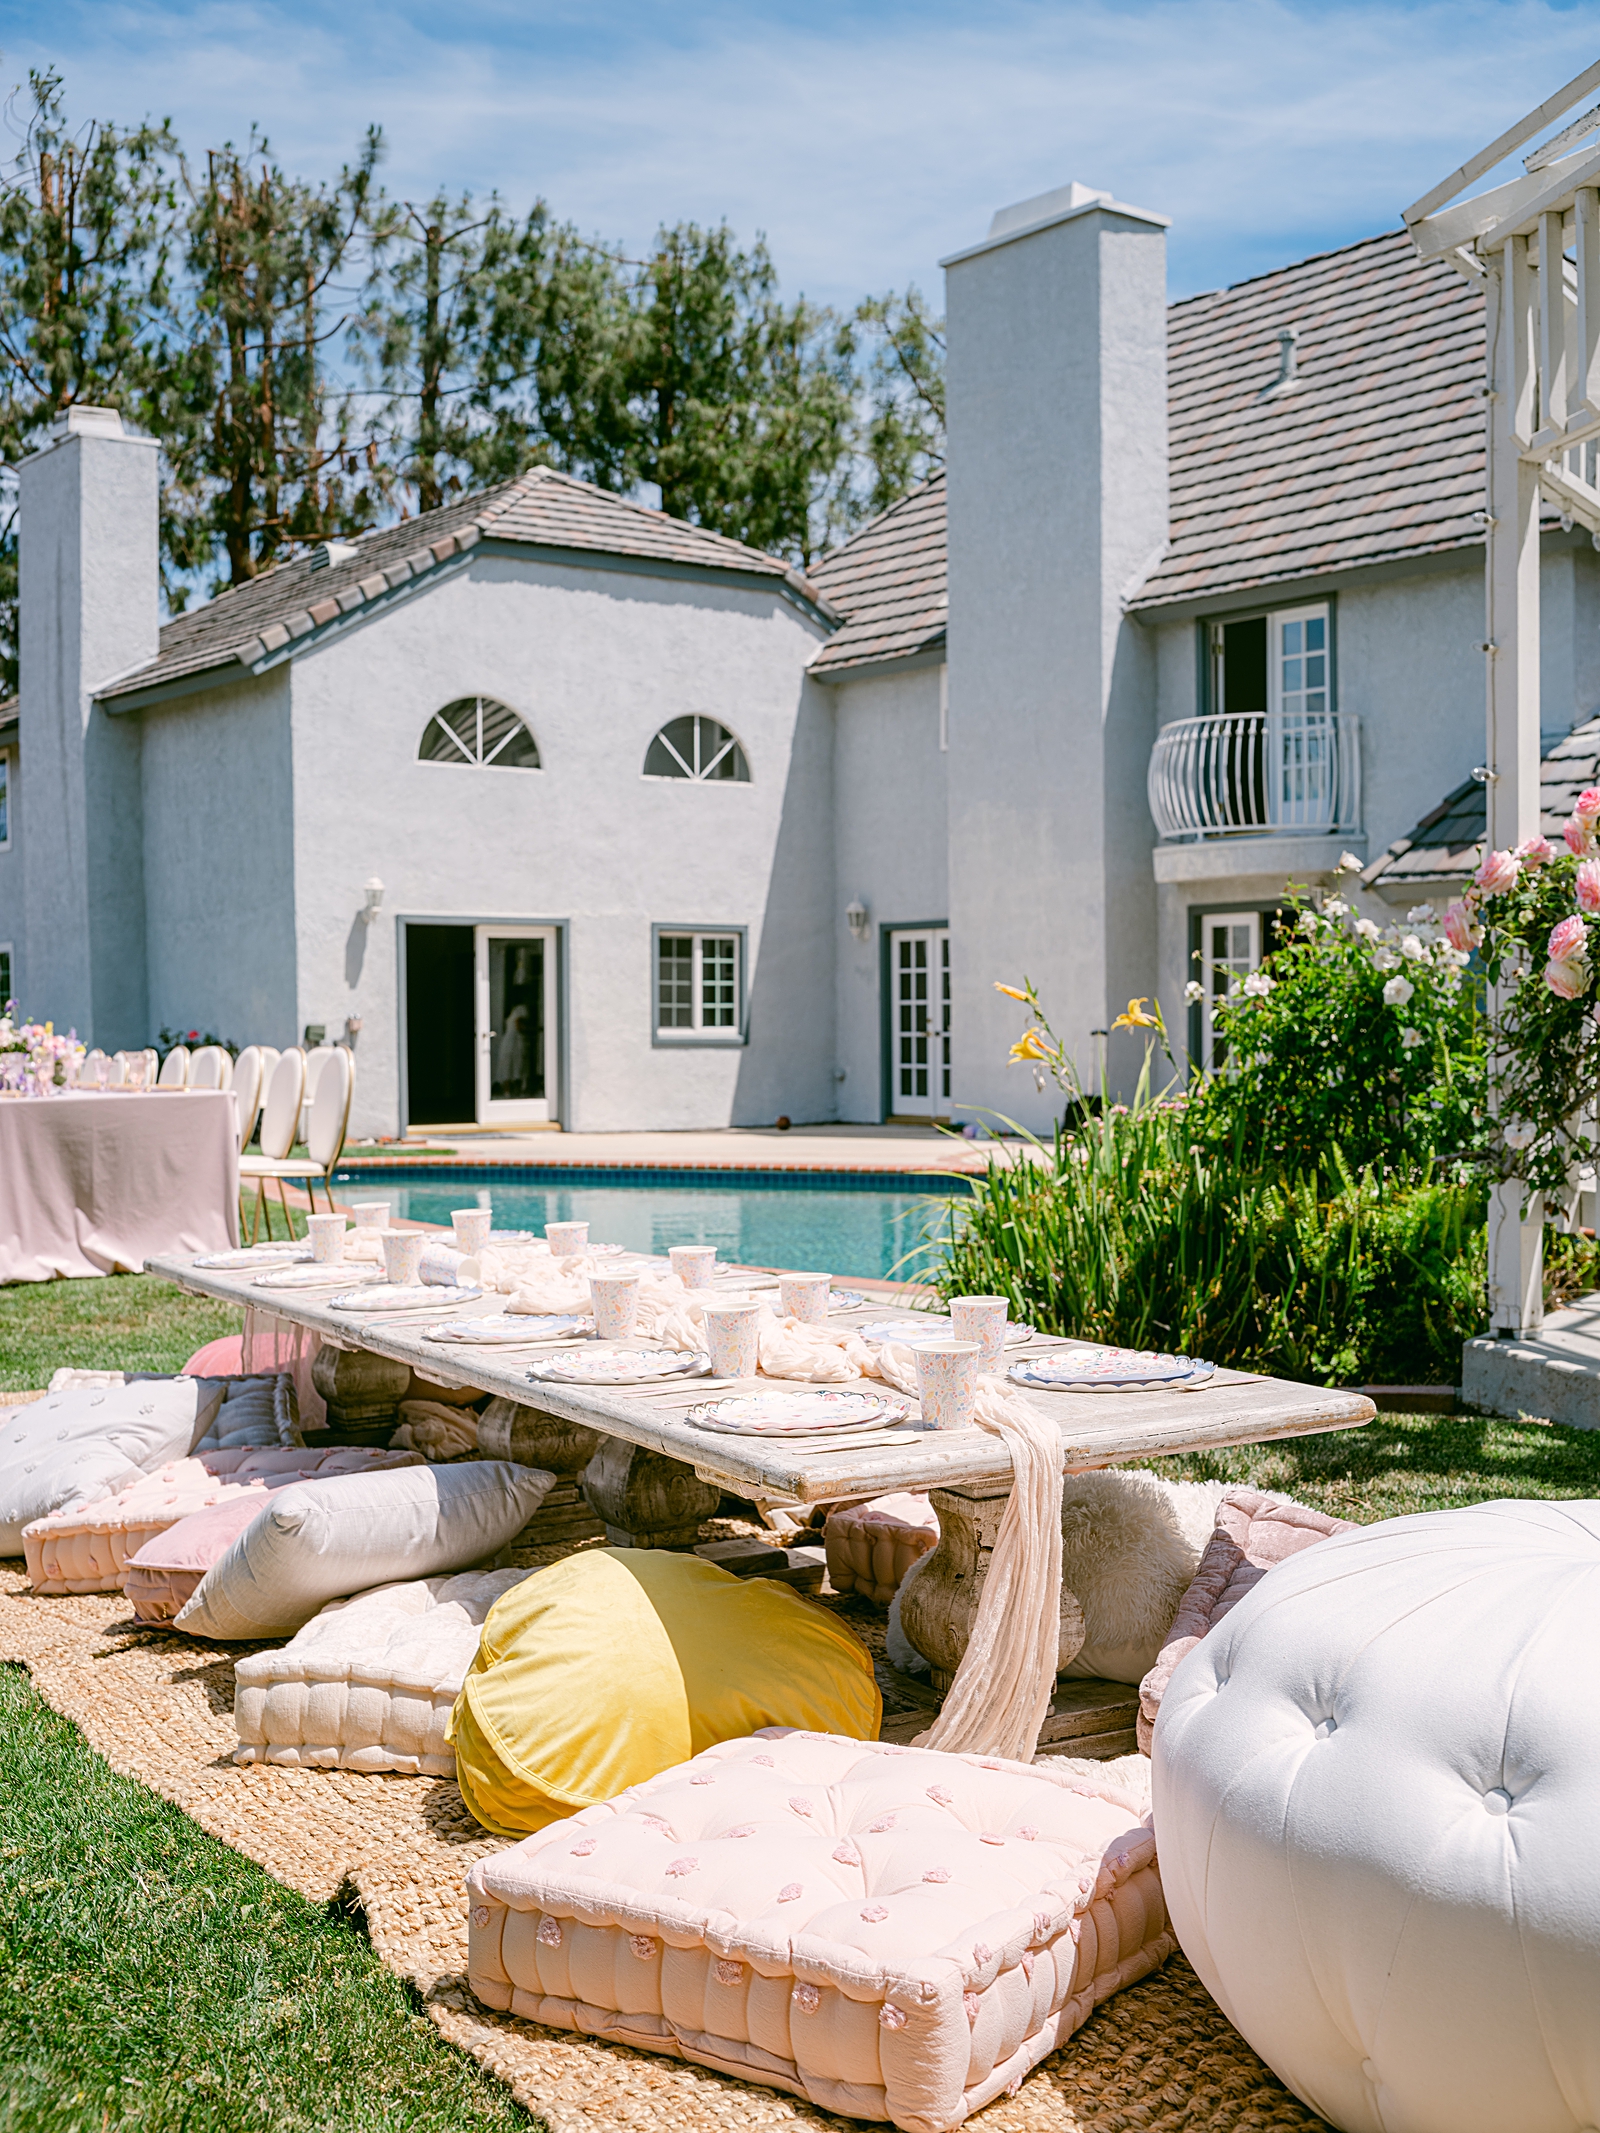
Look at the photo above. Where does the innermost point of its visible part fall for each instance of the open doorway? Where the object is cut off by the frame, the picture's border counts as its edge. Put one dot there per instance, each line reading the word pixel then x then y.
pixel 480 1025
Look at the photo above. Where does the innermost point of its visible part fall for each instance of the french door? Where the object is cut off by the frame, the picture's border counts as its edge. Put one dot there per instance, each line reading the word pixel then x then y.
pixel 514 990
pixel 919 1023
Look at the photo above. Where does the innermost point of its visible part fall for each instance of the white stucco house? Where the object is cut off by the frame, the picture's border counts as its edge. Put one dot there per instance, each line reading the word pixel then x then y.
pixel 562 811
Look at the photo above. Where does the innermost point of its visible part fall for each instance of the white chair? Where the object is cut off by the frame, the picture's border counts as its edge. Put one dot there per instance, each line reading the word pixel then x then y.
pixel 152 1067
pixel 174 1069
pixel 246 1086
pixel 328 1120
pixel 316 1059
pixel 280 1116
pixel 88 1073
pixel 210 1068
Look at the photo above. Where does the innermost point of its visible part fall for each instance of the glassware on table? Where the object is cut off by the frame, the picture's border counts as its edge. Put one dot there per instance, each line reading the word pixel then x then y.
pixel 568 1240
pixel 981 1319
pixel 732 1339
pixel 102 1072
pixel 947 1382
pixel 472 1226
pixel 327 1238
pixel 805 1297
pixel 615 1298
pixel 694 1264
pixel 402 1257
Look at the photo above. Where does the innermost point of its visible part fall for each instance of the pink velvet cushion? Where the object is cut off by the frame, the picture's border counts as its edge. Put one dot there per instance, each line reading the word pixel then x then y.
pixel 1253 1532
pixel 886 1931
pixel 871 1546
pixel 163 1573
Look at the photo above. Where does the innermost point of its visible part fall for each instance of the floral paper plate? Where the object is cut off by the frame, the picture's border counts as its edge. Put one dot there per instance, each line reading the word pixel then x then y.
pixel 797 1414
pixel 257 1255
pixel 394 1296
pixel 508 1330
pixel 620 1366
pixel 927 1327
pixel 847 1300
pixel 1109 1370
pixel 511 1236
pixel 316 1274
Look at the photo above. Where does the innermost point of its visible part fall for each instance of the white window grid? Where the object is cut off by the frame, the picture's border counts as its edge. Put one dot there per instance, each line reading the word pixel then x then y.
pixel 1230 948
pixel 697 983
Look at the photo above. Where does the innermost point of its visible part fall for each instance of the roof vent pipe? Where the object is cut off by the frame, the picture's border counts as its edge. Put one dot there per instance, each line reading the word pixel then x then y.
pixel 1288 377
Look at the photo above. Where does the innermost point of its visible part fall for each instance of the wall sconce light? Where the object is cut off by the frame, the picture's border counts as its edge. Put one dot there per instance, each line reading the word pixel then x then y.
pixel 856 918
pixel 374 902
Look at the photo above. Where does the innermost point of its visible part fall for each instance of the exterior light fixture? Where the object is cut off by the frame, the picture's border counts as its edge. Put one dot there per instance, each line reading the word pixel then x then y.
pixel 856 918
pixel 374 901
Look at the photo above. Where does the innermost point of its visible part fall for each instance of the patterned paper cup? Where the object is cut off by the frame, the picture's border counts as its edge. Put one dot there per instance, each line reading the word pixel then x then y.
pixel 568 1240
pixel 371 1214
pixel 731 1339
pixel 947 1380
pixel 472 1226
pixel 981 1319
pixel 693 1264
pixel 327 1238
pixel 805 1297
pixel 616 1303
pixel 402 1256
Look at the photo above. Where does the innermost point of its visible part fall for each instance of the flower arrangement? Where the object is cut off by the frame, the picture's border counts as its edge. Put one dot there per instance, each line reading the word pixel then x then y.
pixel 33 1057
pixel 1531 915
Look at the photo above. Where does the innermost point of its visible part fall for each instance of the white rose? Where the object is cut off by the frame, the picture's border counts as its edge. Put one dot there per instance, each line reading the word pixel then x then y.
pixel 1308 922
pixel 1350 864
pixel 1517 1133
pixel 1257 985
pixel 1420 915
pixel 1410 1039
pixel 1384 959
pixel 1412 949
pixel 1194 990
pixel 1397 992
pixel 1336 907
pixel 1367 929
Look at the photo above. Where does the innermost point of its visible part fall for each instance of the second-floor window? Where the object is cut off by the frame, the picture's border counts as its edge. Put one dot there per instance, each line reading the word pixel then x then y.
pixel 1279 663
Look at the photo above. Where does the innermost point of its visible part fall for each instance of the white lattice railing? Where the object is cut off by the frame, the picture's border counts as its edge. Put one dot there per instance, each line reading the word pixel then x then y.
pixel 1257 774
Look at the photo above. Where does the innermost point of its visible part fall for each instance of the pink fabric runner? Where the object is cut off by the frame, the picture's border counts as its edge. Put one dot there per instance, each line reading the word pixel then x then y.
pixel 96 1184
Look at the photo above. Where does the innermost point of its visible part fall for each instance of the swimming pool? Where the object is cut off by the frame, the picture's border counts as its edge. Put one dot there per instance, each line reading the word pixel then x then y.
pixel 870 1224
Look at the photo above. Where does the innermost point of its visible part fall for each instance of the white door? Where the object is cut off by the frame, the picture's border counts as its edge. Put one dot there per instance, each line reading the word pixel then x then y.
pixel 919 1024
pixel 1302 750
pixel 515 993
pixel 1230 948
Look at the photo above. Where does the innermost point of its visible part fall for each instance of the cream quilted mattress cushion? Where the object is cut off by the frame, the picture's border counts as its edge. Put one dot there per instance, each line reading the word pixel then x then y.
pixel 889 1932
pixel 87 1549
pixel 258 1410
pixel 871 1546
pixel 87 1441
pixel 369 1683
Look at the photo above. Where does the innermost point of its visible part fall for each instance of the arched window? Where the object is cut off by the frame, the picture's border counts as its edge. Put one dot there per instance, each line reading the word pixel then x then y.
pixel 696 748
pixel 475 729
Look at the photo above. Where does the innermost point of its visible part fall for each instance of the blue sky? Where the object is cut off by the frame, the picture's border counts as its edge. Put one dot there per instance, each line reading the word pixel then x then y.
pixel 865 139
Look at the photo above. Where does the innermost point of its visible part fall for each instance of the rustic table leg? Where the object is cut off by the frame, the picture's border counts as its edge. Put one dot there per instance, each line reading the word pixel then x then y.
pixel 938 1606
pixel 530 1437
pixel 646 1499
pixel 363 1392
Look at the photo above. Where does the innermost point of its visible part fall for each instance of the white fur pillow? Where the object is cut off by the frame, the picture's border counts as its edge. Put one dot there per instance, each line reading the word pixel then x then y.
pixel 316 1541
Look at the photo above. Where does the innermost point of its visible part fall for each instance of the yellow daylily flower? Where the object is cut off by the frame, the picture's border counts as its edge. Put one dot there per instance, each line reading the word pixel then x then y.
pixel 1031 1045
pixel 1136 1018
pixel 1011 992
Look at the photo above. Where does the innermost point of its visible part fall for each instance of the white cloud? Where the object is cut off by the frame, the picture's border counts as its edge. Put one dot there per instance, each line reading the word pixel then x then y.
pixel 867 142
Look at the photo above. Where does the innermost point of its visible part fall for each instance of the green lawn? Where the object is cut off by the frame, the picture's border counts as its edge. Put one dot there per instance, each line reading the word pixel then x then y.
pixel 153 1981
pixel 123 1322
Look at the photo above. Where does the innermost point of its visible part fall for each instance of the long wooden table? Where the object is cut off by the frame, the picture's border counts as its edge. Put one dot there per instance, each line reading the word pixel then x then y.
pixel 651 1453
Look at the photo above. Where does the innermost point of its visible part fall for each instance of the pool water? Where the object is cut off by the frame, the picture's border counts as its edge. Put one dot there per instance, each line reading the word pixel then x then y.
pixel 835 1223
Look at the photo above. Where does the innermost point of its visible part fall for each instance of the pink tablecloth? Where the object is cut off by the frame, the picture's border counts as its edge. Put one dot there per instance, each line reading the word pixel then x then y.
pixel 93 1184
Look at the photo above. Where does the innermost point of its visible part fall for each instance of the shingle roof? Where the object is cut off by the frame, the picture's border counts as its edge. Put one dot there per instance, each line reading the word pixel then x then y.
pixel 1446 844
pixel 1377 453
pixel 541 508
pixel 889 581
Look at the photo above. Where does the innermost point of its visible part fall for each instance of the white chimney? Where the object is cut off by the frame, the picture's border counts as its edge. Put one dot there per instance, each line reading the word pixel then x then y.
pixel 1058 507
pixel 89 594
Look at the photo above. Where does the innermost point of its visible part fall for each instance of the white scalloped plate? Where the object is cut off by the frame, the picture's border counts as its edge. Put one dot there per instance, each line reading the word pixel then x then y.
pixel 1109 1370
pixel 315 1275
pixel 620 1366
pixel 509 1330
pixel 797 1414
pixel 262 1255
pixel 926 1327
pixel 394 1296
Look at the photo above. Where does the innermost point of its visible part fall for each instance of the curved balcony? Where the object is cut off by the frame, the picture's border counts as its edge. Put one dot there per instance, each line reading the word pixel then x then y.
pixel 1258 774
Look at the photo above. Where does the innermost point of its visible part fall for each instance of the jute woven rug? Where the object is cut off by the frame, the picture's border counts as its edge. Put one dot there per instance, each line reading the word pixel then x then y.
pixel 1160 2057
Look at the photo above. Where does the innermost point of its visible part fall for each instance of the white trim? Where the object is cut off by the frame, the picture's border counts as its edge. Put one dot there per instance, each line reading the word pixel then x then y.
pixel 1232 967
pixel 513 1111
pixel 698 1031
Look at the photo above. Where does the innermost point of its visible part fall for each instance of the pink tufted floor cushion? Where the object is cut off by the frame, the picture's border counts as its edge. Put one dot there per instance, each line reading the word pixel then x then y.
pixel 871 1546
pixel 1253 1533
pixel 889 1932
pixel 98 1548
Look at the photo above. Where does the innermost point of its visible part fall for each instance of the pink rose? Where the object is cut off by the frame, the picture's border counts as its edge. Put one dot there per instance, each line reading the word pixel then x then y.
pixel 1459 930
pixel 1579 835
pixel 1499 871
pixel 1588 803
pixel 1567 979
pixel 1570 938
pixel 1536 851
pixel 1587 885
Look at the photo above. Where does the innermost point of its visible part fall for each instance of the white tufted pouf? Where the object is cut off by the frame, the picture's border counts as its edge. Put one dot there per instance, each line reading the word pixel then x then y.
pixel 1377 1796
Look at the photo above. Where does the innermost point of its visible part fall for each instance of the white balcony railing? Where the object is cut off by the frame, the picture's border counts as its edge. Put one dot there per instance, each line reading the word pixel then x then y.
pixel 1258 774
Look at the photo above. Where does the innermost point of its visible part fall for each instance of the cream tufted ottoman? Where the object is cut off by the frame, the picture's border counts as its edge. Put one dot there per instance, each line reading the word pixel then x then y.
pixel 1377 1791
pixel 889 1932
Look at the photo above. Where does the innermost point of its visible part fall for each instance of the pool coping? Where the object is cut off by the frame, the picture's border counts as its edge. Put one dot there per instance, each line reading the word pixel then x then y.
pixel 796 1177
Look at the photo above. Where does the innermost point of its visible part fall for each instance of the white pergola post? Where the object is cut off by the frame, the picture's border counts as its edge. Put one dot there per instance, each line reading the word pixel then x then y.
pixel 1542 360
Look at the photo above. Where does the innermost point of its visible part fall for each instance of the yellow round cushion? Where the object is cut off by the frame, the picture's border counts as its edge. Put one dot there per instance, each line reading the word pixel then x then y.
pixel 620 1662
